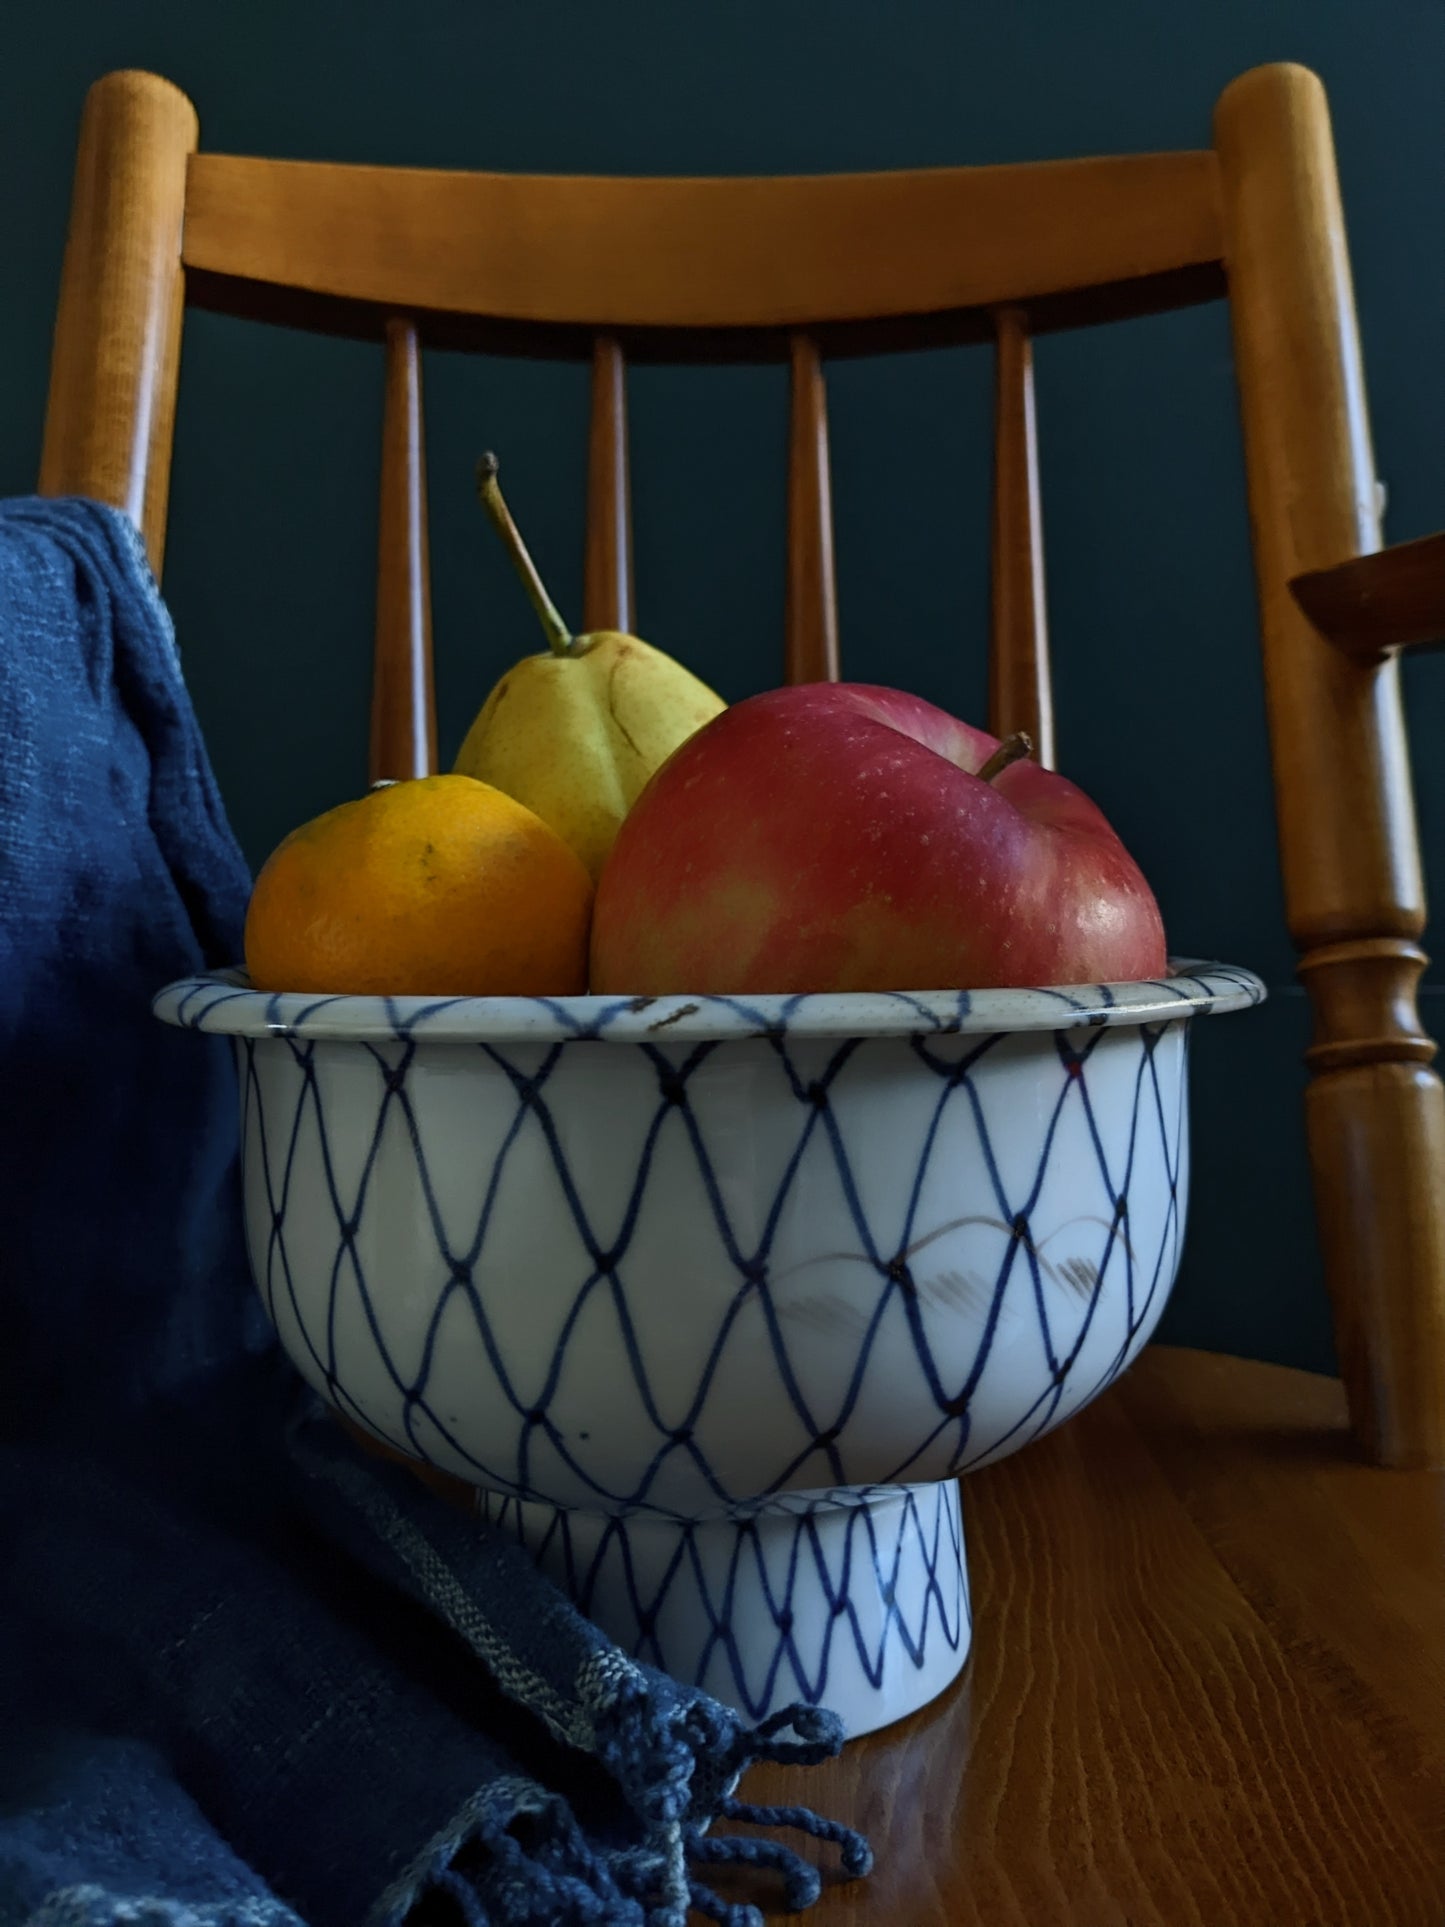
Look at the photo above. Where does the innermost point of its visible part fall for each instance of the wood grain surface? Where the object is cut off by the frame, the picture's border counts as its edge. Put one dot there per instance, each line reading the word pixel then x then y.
pixel 781 252
pixel 1207 1687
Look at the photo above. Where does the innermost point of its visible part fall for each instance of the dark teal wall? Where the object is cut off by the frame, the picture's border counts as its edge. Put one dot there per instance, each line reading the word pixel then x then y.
pixel 273 519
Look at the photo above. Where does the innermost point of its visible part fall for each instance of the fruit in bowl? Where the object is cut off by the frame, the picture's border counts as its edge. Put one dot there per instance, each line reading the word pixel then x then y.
pixel 576 732
pixel 839 837
pixel 828 837
pixel 442 886
pixel 710 1296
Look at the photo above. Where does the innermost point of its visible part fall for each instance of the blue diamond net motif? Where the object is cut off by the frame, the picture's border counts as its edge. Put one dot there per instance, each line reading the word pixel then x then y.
pixel 711 1300
pixel 583 1276
pixel 826 1598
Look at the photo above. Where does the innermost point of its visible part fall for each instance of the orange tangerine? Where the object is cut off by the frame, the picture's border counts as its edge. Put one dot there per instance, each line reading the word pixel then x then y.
pixel 440 886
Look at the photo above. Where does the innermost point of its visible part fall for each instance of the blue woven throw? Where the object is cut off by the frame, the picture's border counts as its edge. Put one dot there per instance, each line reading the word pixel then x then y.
pixel 248 1679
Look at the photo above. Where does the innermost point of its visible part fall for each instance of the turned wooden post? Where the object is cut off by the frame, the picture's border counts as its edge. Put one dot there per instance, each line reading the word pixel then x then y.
pixel 116 356
pixel 1375 1109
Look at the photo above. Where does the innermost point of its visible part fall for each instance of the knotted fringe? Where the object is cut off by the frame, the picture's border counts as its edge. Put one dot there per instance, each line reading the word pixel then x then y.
pixel 515 1856
pixel 677 1767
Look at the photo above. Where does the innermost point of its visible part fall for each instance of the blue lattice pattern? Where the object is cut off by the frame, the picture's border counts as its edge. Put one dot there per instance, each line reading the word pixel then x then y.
pixel 713 1298
pixel 682 1278
pixel 836 1597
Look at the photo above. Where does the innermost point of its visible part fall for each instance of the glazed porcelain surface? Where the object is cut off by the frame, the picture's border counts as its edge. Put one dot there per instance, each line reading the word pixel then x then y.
pixel 712 1297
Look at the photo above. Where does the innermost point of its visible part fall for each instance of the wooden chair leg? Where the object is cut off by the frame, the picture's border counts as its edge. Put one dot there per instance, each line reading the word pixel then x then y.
pixel 1353 888
pixel 1375 1120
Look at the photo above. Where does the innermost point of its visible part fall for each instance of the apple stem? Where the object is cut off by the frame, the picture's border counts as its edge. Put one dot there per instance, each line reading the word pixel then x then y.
pixel 560 639
pixel 1011 750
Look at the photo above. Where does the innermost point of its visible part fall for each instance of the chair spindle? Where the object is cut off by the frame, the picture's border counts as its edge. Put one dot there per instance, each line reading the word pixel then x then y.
pixel 1020 695
pixel 608 600
pixel 403 720
pixel 812 606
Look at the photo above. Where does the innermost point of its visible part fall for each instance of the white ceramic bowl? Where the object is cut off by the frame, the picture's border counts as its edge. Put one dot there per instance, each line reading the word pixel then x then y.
pixel 712 1297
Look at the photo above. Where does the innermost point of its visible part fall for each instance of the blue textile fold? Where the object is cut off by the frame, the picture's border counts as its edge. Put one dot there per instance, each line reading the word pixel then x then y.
pixel 249 1678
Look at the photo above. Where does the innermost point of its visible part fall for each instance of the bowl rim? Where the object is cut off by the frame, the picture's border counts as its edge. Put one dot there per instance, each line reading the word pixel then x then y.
pixel 222 1002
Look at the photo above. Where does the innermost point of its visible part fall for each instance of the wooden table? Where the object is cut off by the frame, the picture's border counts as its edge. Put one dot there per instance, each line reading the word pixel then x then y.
pixel 1207 1686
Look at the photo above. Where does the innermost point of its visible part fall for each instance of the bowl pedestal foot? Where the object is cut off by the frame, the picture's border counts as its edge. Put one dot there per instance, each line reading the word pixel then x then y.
pixel 854 1599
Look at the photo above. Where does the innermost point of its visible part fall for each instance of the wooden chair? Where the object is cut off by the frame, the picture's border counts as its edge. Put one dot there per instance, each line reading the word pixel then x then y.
pixel 1209 1684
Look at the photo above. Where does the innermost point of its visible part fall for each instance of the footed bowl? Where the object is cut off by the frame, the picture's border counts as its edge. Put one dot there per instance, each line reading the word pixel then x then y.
pixel 712 1298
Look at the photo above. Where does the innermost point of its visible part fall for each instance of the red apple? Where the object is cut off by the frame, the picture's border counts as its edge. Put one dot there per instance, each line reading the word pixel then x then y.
pixel 836 836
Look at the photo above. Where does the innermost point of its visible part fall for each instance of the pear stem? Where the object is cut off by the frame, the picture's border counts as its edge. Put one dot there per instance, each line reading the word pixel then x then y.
pixel 559 637
pixel 1011 750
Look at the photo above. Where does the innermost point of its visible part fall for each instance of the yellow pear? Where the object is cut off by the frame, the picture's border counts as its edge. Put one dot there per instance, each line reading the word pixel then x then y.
pixel 576 732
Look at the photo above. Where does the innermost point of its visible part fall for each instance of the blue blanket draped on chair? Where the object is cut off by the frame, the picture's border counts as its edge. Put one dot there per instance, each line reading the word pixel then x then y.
pixel 227 1699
